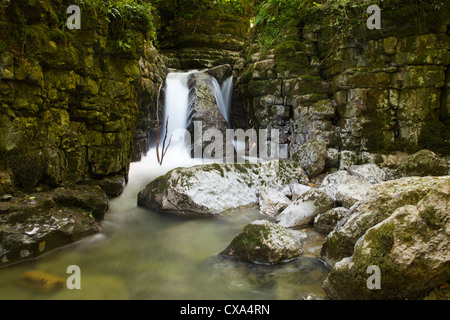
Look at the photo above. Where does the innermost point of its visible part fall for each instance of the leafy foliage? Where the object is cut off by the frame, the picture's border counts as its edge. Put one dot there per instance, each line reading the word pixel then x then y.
pixel 275 20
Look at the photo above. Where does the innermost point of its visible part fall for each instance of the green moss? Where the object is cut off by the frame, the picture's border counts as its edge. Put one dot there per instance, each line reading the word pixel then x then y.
pixel 218 168
pixel 247 76
pixel 432 220
pixel 381 241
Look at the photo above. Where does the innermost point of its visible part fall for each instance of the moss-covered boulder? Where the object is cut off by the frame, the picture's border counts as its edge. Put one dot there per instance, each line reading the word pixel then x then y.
pixel 381 202
pixel 267 243
pixel 212 189
pixel 221 73
pixel 411 248
pixel 424 163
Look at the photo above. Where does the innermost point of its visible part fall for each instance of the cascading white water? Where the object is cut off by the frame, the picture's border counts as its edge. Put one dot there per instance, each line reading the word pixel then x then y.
pixel 176 101
pixel 223 97
pixel 227 93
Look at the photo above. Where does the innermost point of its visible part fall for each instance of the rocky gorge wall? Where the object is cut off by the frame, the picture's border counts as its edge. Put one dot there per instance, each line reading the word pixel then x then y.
pixel 75 104
pixel 370 95
pixel 202 34
pixel 76 107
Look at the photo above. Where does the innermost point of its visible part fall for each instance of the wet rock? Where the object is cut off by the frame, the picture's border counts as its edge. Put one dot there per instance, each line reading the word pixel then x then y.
pixel 213 189
pixel 37 223
pixel 303 211
pixel 267 243
pixel 381 202
pixel 91 199
pixel 5 197
pixel 424 163
pixel 272 202
pixel 113 186
pixel 41 281
pixel 204 115
pixel 411 248
pixel 326 222
pixel 221 73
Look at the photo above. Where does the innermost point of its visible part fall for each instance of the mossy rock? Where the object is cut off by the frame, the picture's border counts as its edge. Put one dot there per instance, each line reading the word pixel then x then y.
pixel 410 248
pixel 264 242
pixel 380 203
pixel 422 164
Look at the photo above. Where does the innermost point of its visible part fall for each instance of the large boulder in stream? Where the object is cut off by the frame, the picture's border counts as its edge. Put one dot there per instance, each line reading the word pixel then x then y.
pixel 267 243
pixel 411 248
pixel 380 203
pixel 33 224
pixel 212 189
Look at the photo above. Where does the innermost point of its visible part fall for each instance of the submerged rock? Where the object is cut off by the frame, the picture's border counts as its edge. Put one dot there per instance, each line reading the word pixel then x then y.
pixel 424 163
pixel 212 189
pixel 303 211
pixel 267 243
pixel 41 281
pixel 411 247
pixel 381 202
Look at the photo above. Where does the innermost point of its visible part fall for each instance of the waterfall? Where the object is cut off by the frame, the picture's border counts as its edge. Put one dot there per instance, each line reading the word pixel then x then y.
pixel 176 114
pixel 223 96
pixel 176 101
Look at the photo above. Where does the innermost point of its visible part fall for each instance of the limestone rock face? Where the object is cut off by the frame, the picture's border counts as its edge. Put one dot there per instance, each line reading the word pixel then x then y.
pixel 74 108
pixel 411 247
pixel 302 211
pixel 212 189
pixel 380 203
pixel 267 243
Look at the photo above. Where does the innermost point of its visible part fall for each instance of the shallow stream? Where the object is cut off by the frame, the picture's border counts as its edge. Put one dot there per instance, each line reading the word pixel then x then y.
pixel 148 255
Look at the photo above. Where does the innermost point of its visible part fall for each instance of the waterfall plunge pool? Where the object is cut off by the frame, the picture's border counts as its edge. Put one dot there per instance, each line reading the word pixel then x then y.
pixel 144 255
